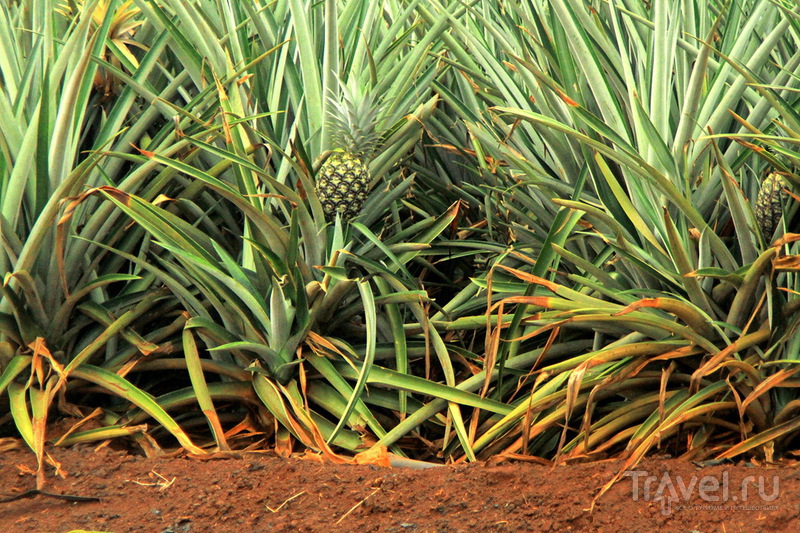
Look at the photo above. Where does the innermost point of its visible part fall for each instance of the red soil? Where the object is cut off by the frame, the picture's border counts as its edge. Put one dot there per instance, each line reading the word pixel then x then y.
pixel 246 492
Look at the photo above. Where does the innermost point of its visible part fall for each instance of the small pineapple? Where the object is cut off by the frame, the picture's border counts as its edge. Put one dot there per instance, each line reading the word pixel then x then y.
pixel 769 203
pixel 343 181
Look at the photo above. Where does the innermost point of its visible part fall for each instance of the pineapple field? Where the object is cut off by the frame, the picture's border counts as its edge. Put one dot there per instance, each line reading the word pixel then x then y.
pixel 516 243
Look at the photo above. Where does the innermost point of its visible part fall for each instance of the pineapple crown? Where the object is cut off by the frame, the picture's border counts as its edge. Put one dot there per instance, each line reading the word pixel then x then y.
pixel 353 119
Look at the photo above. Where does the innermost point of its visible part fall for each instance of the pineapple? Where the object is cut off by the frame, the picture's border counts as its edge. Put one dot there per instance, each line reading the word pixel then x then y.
pixel 344 180
pixel 769 203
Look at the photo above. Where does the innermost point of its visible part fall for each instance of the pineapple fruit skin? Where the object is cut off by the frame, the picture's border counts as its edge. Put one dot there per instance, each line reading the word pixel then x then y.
pixel 342 185
pixel 769 208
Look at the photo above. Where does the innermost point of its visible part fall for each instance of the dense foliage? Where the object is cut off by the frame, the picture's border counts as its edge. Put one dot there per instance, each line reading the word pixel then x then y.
pixel 570 249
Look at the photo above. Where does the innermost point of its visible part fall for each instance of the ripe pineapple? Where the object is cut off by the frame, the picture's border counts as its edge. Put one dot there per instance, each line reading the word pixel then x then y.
pixel 343 180
pixel 769 203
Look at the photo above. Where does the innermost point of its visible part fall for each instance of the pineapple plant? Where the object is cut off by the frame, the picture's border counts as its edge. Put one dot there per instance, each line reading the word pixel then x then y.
pixel 125 20
pixel 769 203
pixel 344 179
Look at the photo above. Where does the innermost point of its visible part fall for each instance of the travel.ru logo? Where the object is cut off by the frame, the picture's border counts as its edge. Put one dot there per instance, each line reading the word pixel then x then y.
pixel 717 492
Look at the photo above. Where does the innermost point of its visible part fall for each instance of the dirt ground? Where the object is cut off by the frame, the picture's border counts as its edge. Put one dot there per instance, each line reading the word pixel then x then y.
pixel 260 492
